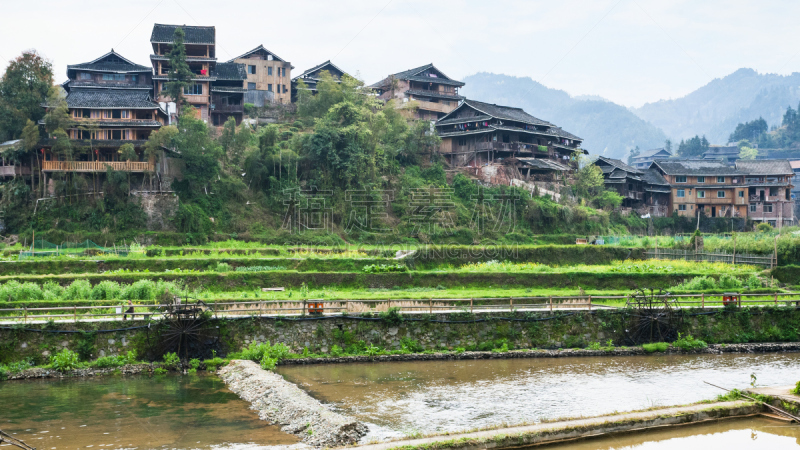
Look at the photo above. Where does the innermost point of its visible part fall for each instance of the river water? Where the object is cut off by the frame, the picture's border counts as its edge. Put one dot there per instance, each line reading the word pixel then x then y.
pixel 735 434
pixel 405 398
pixel 174 411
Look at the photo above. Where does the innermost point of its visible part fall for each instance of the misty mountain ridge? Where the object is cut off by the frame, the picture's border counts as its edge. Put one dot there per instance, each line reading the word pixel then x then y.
pixel 607 128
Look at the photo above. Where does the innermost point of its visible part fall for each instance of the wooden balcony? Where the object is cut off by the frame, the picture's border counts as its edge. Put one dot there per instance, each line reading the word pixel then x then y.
pixel 97 166
pixel 721 201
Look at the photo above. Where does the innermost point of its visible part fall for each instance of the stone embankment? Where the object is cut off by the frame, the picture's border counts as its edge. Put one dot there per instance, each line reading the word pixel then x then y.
pixel 282 402
pixel 129 369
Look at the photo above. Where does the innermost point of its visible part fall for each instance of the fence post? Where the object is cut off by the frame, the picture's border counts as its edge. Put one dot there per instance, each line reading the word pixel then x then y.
pixel 734 249
pixel 511 303
pixel 304 308
pixel 590 303
pixel 776 299
pixel 75 313
pixel 470 306
pixel 551 303
pixel 430 306
pixel 703 300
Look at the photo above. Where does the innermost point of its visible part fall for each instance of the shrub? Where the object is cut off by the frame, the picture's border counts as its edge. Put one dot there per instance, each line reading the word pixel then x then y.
pixel 594 346
pixel 336 351
pixel 763 227
pixel 655 347
pixel 78 290
pixel 64 360
pixel 384 268
pixel 688 342
pixel 212 364
pixel 223 267
pixel 392 317
pixel 171 360
pixel 268 363
pixel 257 352
pixel 160 371
pixel 106 290
pixel 411 345
pixel 796 390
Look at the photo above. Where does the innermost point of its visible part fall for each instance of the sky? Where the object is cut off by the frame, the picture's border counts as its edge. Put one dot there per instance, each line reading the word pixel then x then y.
pixel 628 51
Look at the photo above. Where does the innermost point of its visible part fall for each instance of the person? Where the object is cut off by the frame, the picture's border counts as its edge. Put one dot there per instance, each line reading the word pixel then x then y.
pixel 128 311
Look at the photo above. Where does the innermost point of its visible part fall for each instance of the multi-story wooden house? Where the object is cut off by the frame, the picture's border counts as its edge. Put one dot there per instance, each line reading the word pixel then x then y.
pixel 769 190
pixel 476 133
pixel 110 103
pixel 312 76
pixel 266 72
pixel 639 188
pixel 644 159
pixel 711 187
pixel 434 93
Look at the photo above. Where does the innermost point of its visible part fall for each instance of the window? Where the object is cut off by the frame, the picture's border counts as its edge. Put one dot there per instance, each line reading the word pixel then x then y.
pixel 195 89
pixel 251 86
pixel 113 77
pixel 720 179
pixel 741 194
pixel 163 87
pixel 283 73
pixel 269 57
pixel 284 89
pixel 701 194
pixel 680 193
pixel 135 78
pixel 251 70
pixel 773 191
pixel 680 179
pixel 681 207
pixel 86 76
pixel 116 114
pixel 269 87
pixel 86 113
pixel 753 207
pixel 767 207
pixel 701 179
pixel 269 71
pixel 116 134
pixel 462 142
pixel 125 114
pixel 630 186
pixel 720 194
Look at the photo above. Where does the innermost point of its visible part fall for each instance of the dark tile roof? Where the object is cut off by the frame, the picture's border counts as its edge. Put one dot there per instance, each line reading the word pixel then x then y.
pixel 618 164
pixel 558 131
pixel 765 166
pixel 229 71
pixel 110 62
pixel 327 65
pixel 651 153
pixel 545 164
pixel 462 120
pixel 194 35
pixel 258 49
pixel 110 98
pixel 505 112
pixel 654 177
pixel 414 75
pixel 731 150
pixel 695 167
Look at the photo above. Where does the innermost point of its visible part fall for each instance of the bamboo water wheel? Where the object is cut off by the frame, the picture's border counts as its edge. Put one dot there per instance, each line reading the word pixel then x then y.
pixel 652 316
pixel 187 330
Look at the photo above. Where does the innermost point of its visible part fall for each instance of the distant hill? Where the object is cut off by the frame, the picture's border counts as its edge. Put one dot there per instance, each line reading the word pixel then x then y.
pixel 607 128
pixel 715 109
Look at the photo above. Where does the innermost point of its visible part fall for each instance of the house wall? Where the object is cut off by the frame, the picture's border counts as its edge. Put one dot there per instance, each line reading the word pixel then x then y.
pixel 263 80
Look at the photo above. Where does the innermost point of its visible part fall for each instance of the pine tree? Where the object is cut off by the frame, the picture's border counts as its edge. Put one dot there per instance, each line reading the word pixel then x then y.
pixel 180 76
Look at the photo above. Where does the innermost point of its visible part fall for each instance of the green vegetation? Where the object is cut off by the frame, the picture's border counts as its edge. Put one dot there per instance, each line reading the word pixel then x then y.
pixel 687 342
pixel 655 347
pixel 796 390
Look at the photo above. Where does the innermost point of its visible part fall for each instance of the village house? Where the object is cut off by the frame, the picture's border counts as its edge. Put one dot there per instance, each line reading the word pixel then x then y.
pixel 110 103
pixel 478 133
pixel 434 93
pixel 643 190
pixel 267 76
pixel 216 91
pixel 312 76
pixel 727 153
pixel 769 190
pixel 644 159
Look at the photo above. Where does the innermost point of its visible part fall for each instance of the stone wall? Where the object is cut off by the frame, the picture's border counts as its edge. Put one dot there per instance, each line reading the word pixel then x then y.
pixel 437 331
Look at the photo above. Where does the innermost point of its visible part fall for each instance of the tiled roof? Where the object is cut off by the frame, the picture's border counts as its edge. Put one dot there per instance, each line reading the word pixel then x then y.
pixel 616 163
pixel 651 153
pixel 110 62
pixel 320 68
pixel 558 131
pixel 795 164
pixel 193 35
pixel 413 75
pixel 110 98
pixel 228 89
pixel 695 167
pixel 545 164
pixel 765 166
pixel 505 112
pixel 229 71
pixel 462 120
pixel 654 177
pixel 260 48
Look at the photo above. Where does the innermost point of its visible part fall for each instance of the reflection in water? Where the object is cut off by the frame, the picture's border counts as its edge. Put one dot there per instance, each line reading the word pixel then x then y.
pixel 406 397
pixel 735 434
pixel 113 412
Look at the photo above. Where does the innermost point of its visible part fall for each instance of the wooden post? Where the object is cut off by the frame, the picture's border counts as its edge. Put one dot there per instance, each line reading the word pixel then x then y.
pixel 551 303
pixel 430 306
pixel 75 313
pixel 304 308
pixel 590 303
pixel 703 300
pixel 776 299
pixel 25 318
pixel 734 249
pixel 470 306
pixel 775 255
pixel 511 303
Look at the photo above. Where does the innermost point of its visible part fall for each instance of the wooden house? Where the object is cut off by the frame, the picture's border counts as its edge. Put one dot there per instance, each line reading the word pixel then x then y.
pixel 434 93
pixel 110 103
pixel 769 190
pixel 477 133
pixel 267 76
pixel 312 76
pixel 644 159
pixel 644 190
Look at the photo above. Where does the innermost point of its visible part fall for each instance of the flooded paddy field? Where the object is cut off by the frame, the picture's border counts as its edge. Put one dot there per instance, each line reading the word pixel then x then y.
pixel 407 398
pixel 179 412
pixel 752 433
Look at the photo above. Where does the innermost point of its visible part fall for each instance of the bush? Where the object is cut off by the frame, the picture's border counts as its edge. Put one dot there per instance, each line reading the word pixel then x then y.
pixel 160 371
pixel 688 342
pixel 410 345
pixel 115 361
pixel 212 364
pixel 78 290
pixel 263 352
pixel 64 360
pixel 763 227
pixel 268 363
pixel 171 360
pixel 384 268
pixel 392 317
pixel 223 267
pixel 336 351
pixel 106 290
pixel 796 390
pixel 655 347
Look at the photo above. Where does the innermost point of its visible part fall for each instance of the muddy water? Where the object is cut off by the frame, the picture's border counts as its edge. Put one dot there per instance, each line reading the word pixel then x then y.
pixel 402 398
pixel 126 412
pixel 738 434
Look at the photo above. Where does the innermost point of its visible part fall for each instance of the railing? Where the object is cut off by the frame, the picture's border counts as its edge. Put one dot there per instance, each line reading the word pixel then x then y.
pixel 274 308
pixel 97 166
pixel 730 258
pixel 227 108
pixel 768 199
pixel 433 93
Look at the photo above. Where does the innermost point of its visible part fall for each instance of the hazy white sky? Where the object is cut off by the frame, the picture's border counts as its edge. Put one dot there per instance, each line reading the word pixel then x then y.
pixel 628 51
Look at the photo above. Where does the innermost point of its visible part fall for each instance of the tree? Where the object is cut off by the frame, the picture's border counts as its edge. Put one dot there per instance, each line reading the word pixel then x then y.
pixel 633 154
pixel 745 151
pixel 162 138
pixel 588 181
pixel 23 88
pixel 199 152
pixel 30 140
pixel 668 145
pixel 180 75
pixel 128 153
pixel 749 130
pixel 234 142
pixel 693 147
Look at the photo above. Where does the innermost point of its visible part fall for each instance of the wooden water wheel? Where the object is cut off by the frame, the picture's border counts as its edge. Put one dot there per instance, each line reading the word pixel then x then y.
pixel 652 316
pixel 187 330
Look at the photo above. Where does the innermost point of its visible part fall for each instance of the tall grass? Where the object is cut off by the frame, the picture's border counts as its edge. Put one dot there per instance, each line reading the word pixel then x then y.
pixel 83 290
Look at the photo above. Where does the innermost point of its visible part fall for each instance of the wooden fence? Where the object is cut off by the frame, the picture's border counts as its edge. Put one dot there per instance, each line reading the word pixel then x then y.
pixel 274 308
pixel 729 258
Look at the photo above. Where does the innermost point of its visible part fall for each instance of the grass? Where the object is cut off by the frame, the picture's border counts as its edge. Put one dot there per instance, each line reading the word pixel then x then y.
pixel 655 347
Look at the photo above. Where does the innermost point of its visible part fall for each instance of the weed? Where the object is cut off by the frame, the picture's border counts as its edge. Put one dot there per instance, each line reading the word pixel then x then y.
pixel 796 390
pixel 171 361
pixel 688 342
pixel 655 347
pixel 64 360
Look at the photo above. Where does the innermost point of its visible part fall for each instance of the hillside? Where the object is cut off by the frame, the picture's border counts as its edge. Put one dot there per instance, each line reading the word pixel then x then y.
pixel 714 109
pixel 607 128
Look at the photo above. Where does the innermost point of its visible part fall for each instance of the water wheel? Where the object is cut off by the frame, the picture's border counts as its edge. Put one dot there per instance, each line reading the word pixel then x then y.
pixel 187 330
pixel 652 316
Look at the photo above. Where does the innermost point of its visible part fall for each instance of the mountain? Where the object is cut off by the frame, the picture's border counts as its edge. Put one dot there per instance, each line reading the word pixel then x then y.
pixel 715 109
pixel 607 128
